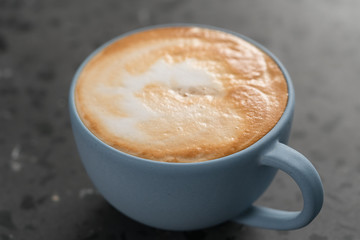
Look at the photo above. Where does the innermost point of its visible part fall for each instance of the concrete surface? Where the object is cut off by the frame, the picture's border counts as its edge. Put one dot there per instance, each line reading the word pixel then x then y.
pixel 44 190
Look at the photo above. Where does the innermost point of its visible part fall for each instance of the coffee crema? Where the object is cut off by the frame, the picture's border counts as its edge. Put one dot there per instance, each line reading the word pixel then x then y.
pixel 180 94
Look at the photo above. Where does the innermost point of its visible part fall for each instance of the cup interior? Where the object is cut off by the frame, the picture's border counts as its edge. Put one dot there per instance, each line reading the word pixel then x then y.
pixel 272 135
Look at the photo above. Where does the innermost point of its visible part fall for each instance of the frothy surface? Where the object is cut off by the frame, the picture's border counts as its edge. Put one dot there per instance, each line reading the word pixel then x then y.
pixel 180 94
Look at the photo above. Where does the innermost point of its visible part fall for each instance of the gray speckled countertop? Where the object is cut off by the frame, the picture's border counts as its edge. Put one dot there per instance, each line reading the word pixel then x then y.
pixel 44 190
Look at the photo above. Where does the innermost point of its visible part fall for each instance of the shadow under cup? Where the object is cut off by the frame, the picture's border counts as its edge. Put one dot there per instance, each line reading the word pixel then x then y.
pixel 188 196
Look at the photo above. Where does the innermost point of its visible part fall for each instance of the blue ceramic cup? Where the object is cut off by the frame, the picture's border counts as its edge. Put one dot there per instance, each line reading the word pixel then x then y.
pixel 188 196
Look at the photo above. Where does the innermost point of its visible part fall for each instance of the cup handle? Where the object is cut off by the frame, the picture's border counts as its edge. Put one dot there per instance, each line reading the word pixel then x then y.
pixel 306 177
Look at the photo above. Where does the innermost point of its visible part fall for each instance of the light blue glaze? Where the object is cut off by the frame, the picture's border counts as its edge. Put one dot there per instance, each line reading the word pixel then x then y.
pixel 190 196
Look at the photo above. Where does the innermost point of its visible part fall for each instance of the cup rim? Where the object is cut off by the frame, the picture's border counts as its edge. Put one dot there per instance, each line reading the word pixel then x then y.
pixel 272 134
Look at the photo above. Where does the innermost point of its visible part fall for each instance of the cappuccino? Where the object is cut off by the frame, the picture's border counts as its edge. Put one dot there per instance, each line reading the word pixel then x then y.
pixel 180 94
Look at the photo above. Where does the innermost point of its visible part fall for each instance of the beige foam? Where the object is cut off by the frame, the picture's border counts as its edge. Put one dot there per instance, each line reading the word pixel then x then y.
pixel 180 94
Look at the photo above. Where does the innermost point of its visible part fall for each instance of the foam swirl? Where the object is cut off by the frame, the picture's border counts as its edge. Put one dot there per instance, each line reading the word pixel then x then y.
pixel 180 94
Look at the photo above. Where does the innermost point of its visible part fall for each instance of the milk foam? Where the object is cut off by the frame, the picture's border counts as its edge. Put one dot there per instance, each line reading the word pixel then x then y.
pixel 180 94
pixel 182 79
